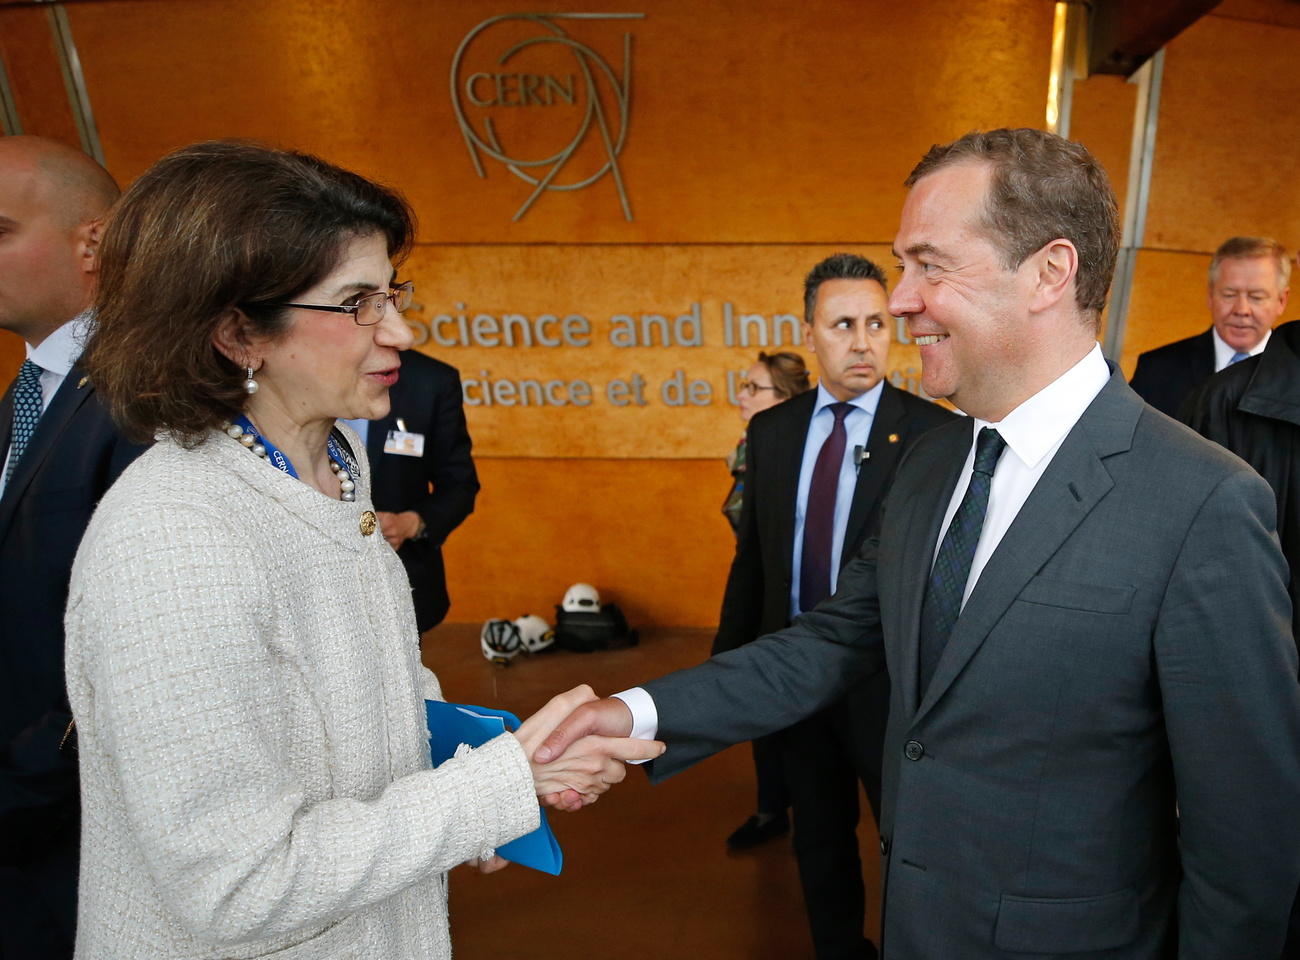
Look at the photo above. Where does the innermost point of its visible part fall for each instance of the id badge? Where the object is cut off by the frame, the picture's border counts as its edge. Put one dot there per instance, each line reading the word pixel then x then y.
pixel 404 444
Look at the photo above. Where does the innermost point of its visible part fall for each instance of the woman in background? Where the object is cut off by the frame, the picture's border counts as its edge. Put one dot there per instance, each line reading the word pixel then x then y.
pixel 773 378
pixel 242 656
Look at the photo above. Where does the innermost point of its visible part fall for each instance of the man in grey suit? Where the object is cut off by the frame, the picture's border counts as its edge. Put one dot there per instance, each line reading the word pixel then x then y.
pixel 1094 735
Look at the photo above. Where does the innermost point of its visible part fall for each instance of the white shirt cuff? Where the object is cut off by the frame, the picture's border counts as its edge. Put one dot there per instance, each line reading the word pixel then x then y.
pixel 645 716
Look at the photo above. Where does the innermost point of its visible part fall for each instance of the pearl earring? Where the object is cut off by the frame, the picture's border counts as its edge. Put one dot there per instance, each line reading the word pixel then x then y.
pixel 250 385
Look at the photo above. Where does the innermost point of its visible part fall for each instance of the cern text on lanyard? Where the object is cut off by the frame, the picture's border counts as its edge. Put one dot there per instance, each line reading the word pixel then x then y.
pixel 276 456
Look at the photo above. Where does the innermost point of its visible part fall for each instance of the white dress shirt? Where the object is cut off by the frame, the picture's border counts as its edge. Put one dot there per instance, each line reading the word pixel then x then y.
pixel 857 427
pixel 1223 353
pixel 1034 431
pixel 55 356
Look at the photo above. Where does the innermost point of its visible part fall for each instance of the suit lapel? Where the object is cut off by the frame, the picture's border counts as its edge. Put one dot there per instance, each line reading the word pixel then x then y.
pixel 877 466
pixel 791 435
pixel 67 400
pixel 1074 483
pixel 1203 357
pixel 6 420
pixel 919 498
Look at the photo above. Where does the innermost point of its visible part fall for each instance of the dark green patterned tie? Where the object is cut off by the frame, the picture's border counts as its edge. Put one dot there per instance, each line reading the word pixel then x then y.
pixel 27 410
pixel 952 565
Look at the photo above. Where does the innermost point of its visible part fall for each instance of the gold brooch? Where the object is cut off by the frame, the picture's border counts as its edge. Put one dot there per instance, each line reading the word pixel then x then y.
pixel 893 438
pixel 367 523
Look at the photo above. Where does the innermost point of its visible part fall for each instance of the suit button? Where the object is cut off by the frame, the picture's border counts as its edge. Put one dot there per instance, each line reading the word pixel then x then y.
pixel 913 750
pixel 884 846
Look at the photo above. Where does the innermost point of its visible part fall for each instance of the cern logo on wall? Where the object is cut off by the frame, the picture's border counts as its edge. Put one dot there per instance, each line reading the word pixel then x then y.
pixel 543 104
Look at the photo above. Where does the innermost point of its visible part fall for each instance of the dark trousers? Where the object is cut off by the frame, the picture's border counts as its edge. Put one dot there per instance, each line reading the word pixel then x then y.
pixel 769 772
pixel 38 902
pixel 826 755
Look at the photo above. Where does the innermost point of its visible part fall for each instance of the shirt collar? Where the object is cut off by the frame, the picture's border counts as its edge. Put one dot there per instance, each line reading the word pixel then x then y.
pixel 867 402
pixel 1034 428
pixel 59 351
pixel 1223 353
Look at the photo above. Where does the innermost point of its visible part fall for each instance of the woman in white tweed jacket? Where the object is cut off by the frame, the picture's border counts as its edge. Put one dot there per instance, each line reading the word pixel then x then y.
pixel 242 655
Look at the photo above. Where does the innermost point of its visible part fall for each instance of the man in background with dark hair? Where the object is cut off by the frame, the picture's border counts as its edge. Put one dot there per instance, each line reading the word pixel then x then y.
pixel 1249 282
pixel 818 467
pixel 422 475
pixel 1094 729
pixel 60 453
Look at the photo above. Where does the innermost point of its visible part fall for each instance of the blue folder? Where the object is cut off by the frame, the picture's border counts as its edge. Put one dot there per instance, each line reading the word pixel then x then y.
pixel 450 725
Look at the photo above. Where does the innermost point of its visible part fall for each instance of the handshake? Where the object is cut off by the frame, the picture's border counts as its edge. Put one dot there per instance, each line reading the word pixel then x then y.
pixel 578 745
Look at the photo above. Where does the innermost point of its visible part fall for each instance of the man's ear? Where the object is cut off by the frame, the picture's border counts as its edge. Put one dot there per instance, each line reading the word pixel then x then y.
pixel 87 238
pixel 233 340
pixel 807 338
pixel 1055 267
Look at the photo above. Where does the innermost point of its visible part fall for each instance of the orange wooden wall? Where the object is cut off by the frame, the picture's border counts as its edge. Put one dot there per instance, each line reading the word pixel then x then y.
pixel 1225 163
pixel 762 136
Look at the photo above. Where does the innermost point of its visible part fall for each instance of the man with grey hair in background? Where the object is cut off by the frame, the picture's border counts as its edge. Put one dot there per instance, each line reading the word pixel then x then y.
pixel 1250 278
pixel 1094 733
pixel 1253 409
pixel 59 452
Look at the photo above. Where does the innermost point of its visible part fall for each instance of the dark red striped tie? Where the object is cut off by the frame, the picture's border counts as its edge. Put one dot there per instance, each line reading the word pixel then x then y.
pixel 819 515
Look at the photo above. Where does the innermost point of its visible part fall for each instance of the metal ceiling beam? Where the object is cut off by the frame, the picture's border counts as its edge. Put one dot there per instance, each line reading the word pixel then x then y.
pixel 1141 159
pixel 1126 34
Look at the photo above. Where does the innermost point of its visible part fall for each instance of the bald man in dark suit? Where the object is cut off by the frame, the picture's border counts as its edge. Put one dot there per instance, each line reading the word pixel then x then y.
pixel 61 452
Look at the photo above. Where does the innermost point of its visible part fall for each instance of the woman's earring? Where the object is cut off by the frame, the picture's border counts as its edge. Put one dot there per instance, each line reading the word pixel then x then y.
pixel 250 385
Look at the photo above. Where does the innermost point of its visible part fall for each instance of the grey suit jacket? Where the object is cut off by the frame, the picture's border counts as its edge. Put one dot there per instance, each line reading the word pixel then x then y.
pixel 1127 648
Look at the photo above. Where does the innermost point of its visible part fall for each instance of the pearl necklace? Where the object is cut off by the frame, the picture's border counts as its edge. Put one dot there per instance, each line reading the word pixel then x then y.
pixel 251 441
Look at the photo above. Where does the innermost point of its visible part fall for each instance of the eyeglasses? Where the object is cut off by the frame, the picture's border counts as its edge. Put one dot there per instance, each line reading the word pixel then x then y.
pixel 368 310
pixel 752 388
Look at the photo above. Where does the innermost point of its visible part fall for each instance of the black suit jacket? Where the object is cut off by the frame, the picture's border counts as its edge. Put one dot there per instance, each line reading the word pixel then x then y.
pixel 73 457
pixel 440 486
pixel 757 598
pixel 1107 761
pixel 1166 375
pixel 1253 409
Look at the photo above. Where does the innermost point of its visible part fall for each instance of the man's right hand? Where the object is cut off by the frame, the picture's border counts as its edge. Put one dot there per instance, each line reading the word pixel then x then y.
pixel 604 718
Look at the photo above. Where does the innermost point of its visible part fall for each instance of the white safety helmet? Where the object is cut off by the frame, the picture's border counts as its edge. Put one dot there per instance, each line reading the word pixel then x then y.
pixel 581 598
pixel 500 641
pixel 534 632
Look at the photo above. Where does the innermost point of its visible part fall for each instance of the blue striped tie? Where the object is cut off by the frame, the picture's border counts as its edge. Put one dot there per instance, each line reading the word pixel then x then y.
pixel 952 566
pixel 1237 357
pixel 27 410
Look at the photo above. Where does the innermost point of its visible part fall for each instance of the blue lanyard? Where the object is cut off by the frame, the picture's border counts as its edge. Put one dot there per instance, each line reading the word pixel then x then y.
pixel 277 458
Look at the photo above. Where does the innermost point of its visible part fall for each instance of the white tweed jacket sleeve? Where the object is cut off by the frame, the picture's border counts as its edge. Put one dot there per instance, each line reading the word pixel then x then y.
pixel 245 675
